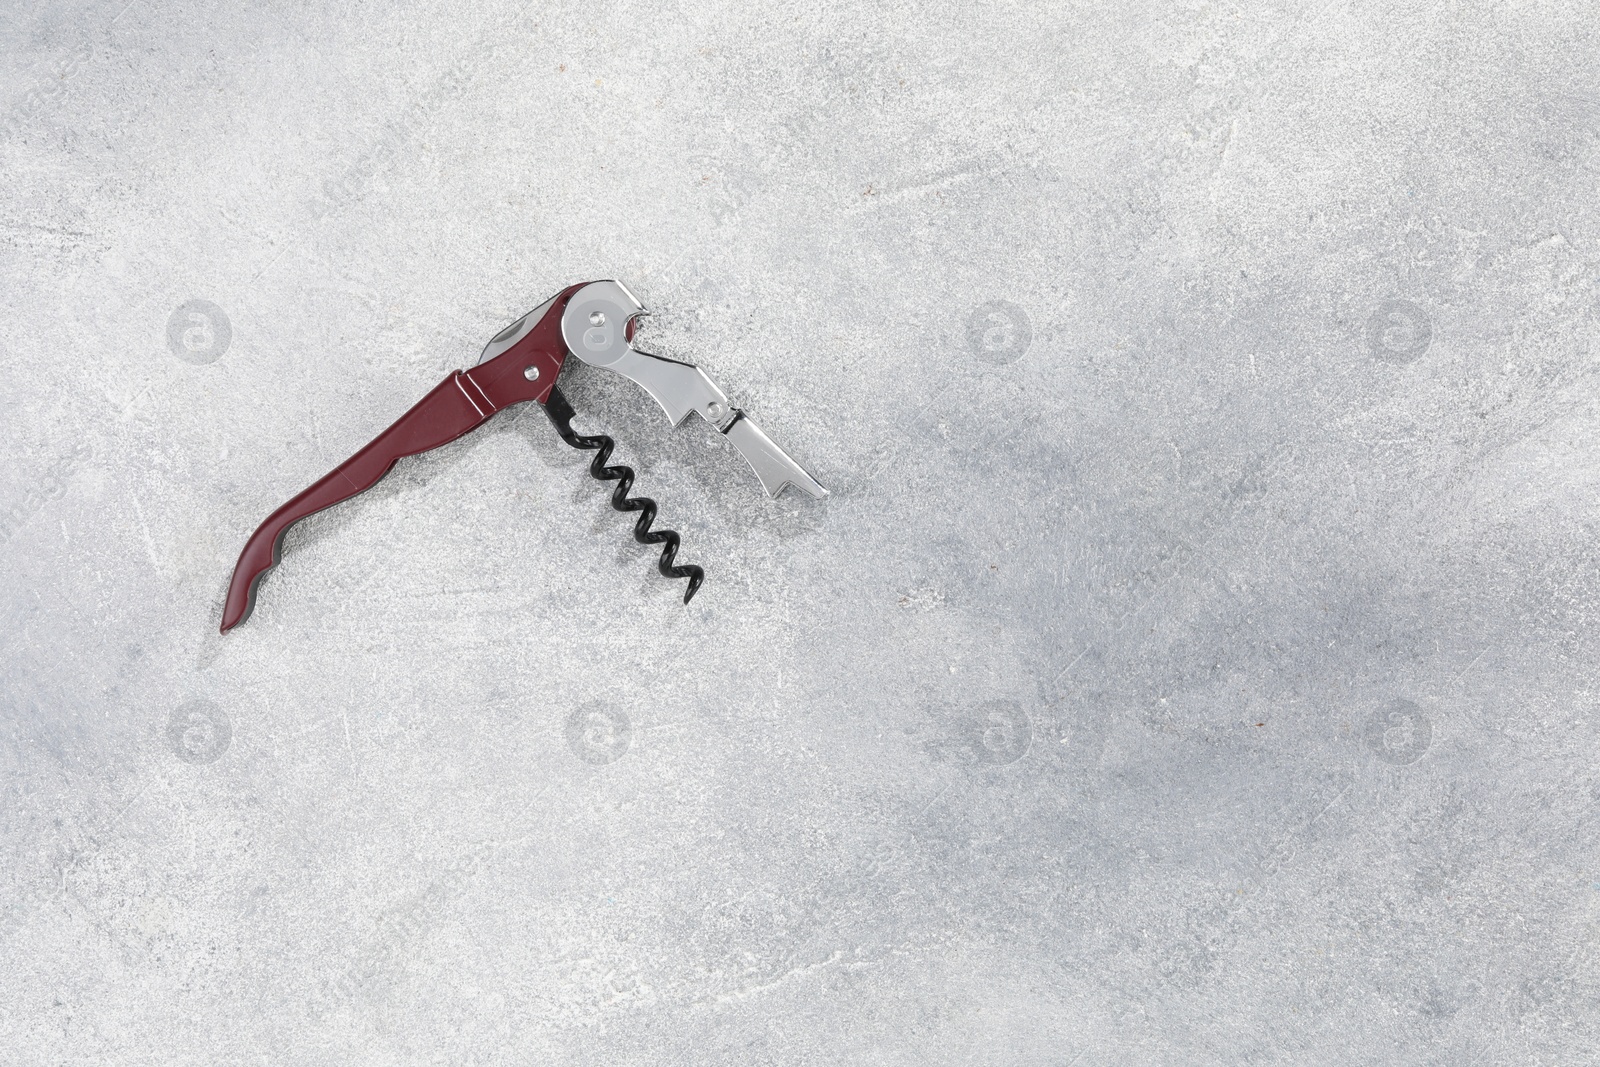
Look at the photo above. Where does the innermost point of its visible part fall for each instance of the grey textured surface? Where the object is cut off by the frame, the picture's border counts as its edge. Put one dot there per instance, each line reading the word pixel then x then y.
pixel 1194 663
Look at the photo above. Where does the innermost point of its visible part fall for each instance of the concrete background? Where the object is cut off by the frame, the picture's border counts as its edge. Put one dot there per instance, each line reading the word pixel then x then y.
pixel 1194 664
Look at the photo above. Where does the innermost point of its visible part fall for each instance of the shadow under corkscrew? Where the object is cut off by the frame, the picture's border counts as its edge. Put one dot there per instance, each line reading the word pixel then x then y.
pixel 561 414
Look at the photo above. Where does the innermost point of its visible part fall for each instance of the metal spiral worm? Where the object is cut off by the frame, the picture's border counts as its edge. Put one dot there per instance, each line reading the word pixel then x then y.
pixel 561 414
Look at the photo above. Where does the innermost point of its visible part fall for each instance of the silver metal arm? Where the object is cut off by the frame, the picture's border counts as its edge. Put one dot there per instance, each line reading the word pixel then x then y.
pixel 678 387
pixel 595 329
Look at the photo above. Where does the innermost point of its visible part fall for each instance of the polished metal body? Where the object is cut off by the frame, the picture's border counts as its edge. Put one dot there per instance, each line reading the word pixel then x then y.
pixel 597 328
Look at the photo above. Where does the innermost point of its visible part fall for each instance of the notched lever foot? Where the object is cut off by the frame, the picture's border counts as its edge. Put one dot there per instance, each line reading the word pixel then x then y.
pixel 771 463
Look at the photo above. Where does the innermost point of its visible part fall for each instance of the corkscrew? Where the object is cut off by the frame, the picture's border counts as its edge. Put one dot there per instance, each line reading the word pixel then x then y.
pixel 594 321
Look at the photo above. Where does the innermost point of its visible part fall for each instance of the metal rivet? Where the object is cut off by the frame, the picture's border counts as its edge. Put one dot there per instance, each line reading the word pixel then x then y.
pixel 532 374
pixel 597 318
pixel 714 409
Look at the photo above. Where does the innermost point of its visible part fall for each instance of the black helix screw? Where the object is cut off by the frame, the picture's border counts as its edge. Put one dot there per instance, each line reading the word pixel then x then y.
pixel 561 414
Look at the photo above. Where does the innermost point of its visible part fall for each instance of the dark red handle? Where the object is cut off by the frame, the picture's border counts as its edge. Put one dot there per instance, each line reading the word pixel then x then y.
pixel 457 405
